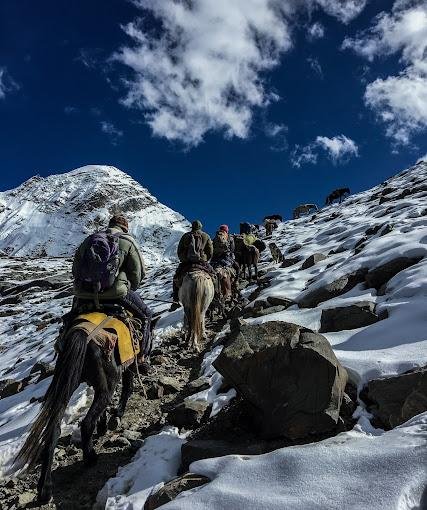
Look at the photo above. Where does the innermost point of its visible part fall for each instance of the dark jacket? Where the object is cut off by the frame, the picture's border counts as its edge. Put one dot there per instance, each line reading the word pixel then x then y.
pixel 184 243
pixel 131 273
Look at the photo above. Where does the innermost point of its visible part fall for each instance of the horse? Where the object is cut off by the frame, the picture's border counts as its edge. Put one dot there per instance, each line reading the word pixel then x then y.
pixel 196 294
pixel 339 193
pixel 226 288
pixel 82 358
pixel 274 217
pixel 269 225
pixel 304 209
pixel 247 256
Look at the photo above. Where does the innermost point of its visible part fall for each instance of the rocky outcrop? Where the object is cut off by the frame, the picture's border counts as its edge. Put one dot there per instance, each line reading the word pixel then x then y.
pixel 189 413
pixel 289 375
pixel 394 400
pixel 313 259
pixel 171 490
pixel 380 275
pixel 348 317
pixel 311 298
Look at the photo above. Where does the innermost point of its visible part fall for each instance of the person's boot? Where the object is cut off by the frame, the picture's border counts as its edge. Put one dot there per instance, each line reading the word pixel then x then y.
pixel 176 304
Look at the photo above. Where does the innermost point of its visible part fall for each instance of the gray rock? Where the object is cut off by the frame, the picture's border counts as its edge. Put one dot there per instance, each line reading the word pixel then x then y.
pixel 43 368
pixel 9 387
pixel 189 413
pixel 311 298
pixel 170 384
pixel 25 498
pixel 394 400
pixel 199 384
pixel 280 301
pixel 313 259
pixel 290 261
pixel 155 391
pixel 382 274
pixel 269 310
pixel 171 490
pixel 289 375
pixel 348 317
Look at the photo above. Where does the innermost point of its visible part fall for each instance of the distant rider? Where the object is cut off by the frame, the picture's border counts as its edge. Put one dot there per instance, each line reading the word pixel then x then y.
pixel 195 249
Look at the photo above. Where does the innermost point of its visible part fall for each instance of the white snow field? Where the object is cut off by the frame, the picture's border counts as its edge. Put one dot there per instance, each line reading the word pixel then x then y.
pixel 365 468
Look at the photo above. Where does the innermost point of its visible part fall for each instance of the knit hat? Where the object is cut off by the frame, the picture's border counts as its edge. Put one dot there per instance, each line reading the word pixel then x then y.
pixel 118 220
pixel 223 228
pixel 196 225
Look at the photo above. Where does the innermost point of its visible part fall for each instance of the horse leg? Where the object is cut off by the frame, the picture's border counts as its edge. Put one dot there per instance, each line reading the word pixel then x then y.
pixel 102 425
pixel 127 389
pixel 44 486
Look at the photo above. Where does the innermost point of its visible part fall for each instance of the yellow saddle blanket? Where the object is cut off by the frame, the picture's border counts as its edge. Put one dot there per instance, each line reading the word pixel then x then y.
pixel 127 348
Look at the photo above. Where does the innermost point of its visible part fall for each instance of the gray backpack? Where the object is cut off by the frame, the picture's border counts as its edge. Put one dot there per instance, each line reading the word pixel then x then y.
pixel 195 248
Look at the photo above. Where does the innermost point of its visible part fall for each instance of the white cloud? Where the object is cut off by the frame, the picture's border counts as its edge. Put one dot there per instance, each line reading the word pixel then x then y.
pixel 315 31
pixel 7 83
pixel 400 101
pixel 278 135
pixel 70 110
pixel 338 149
pixel 423 158
pixel 204 68
pixel 315 66
pixel 114 133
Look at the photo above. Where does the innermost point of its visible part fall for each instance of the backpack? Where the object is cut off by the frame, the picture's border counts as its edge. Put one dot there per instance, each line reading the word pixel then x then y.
pixel 100 262
pixel 195 248
pixel 220 244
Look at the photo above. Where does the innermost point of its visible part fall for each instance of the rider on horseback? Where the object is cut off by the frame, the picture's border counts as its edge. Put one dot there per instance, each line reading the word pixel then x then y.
pixel 99 284
pixel 223 249
pixel 195 249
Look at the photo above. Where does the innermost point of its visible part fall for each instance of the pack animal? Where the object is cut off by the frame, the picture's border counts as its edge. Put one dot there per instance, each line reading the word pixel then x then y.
pixel 276 254
pixel 247 256
pixel 82 358
pixel 339 194
pixel 274 217
pixel 196 294
pixel 304 209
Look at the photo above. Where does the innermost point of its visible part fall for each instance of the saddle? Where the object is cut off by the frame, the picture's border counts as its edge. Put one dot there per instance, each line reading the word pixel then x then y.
pixel 109 332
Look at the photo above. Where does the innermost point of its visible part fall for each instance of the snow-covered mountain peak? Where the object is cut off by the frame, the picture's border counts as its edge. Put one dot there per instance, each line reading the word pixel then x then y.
pixel 51 215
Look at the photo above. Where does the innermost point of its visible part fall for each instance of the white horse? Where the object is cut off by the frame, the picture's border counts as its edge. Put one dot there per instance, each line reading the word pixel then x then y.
pixel 196 294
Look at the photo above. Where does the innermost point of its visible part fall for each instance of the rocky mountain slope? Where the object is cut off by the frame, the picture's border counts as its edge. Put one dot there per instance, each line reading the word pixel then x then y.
pixel 355 272
pixel 50 216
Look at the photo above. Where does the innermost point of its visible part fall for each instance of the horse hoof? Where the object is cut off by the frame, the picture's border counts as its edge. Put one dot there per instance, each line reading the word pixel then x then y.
pixel 90 459
pixel 113 422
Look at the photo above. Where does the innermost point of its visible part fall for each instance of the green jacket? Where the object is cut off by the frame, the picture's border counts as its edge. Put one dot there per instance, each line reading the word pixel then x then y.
pixel 132 269
pixel 184 243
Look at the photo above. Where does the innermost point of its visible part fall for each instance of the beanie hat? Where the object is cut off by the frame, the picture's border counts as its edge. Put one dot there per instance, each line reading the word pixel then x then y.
pixel 196 225
pixel 223 228
pixel 118 220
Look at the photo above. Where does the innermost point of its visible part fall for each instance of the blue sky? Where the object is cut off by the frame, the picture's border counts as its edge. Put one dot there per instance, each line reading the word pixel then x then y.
pixel 226 111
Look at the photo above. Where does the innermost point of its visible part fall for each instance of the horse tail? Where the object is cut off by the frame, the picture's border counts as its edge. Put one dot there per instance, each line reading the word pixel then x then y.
pixel 196 297
pixel 66 379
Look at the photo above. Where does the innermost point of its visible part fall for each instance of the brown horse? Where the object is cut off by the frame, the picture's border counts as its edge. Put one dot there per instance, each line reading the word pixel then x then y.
pixel 304 209
pixel 276 254
pixel 339 193
pixel 196 294
pixel 247 256
pixel 81 359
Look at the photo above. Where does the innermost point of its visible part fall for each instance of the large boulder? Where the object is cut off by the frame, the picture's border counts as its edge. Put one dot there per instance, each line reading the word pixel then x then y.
pixel 380 275
pixel 394 400
pixel 313 259
pixel 312 297
pixel 288 374
pixel 348 317
pixel 171 490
